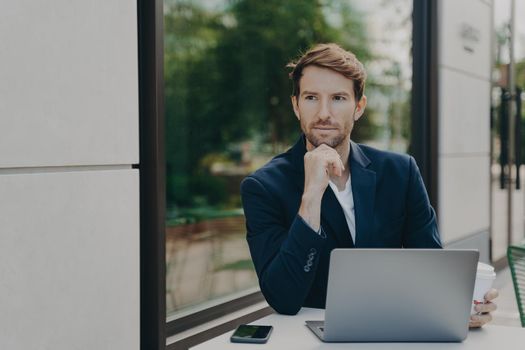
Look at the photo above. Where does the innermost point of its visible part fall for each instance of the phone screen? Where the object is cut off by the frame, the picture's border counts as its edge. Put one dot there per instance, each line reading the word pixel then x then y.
pixel 252 332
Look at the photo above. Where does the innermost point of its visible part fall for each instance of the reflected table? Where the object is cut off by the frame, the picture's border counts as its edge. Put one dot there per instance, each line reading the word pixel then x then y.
pixel 290 332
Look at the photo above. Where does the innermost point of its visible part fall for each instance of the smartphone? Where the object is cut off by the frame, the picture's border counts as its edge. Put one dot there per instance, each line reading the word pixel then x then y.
pixel 251 334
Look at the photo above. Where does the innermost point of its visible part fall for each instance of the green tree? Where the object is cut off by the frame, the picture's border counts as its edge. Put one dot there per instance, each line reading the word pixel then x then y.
pixel 226 79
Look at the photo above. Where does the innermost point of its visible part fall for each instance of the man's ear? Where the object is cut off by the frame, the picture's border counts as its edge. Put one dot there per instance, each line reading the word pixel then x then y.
pixel 360 108
pixel 295 107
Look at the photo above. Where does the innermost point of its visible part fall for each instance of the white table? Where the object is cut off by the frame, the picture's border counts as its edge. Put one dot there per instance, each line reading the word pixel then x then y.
pixel 290 333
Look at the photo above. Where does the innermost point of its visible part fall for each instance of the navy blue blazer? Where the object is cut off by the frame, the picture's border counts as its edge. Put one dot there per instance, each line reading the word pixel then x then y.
pixel 392 210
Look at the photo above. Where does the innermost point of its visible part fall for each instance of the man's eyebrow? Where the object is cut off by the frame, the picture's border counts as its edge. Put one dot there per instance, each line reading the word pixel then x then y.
pixel 306 92
pixel 341 93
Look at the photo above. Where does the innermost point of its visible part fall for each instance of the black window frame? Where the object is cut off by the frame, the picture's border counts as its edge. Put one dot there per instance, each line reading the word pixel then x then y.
pixel 152 180
pixel 154 325
pixel 425 113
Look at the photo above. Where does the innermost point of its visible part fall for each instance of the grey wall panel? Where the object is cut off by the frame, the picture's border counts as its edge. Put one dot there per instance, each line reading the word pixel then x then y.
pixel 463 114
pixel 69 260
pixel 464 57
pixel 68 83
pixel 463 196
pixel 465 36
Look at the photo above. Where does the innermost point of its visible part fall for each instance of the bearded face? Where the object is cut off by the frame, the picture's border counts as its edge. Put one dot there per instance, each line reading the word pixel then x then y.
pixel 326 107
pixel 327 131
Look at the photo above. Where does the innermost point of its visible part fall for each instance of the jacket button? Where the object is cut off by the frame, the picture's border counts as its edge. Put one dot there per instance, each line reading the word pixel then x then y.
pixel 307 269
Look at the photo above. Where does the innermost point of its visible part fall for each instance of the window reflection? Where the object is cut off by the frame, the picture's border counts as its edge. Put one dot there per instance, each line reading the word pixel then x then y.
pixel 228 112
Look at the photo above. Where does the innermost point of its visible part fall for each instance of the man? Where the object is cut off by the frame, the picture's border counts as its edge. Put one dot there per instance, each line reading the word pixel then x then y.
pixel 328 192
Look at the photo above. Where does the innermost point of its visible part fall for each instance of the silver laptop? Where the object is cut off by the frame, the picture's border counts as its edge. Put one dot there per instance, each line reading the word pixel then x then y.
pixel 398 295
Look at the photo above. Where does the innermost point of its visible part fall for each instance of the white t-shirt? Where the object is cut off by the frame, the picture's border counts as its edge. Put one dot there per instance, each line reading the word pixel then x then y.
pixel 346 200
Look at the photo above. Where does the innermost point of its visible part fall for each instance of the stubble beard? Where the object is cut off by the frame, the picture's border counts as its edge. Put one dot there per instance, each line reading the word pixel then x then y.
pixel 333 142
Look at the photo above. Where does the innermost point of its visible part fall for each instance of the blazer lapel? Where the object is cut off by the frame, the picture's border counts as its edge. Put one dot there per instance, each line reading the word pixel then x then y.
pixel 298 150
pixel 332 214
pixel 363 191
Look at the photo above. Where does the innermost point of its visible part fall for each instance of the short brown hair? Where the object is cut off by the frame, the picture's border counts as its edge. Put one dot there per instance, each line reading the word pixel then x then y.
pixel 334 57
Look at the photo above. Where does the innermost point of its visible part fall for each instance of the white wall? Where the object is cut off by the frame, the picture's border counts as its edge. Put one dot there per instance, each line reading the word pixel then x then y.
pixel 69 199
pixel 464 31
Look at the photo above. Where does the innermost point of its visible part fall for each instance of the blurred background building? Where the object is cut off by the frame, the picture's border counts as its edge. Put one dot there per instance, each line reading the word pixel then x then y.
pixel 444 84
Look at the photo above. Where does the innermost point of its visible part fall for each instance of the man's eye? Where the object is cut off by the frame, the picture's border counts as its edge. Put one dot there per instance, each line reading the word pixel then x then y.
pixel 310 97
pixel 339 98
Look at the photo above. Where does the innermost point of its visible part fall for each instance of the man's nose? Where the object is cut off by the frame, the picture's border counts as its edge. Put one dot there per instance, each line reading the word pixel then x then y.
pixel 324 111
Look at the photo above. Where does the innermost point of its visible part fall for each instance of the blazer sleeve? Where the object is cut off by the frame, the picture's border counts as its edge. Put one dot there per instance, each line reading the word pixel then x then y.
pixel 421 229
pixel 285 258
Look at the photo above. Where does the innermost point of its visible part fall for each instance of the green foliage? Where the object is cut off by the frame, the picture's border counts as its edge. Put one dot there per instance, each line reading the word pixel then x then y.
pixel 246 264
pixel 226 79
pixel 520 74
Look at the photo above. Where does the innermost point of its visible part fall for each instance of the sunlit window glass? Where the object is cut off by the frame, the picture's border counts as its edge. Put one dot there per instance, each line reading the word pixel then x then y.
pixel 228 112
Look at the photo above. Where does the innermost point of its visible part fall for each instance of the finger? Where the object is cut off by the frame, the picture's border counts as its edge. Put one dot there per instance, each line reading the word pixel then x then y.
pixel 323 146
pixel 481 319
pixel 336 167
pixel 474 324
pixel 486 307
pixel 332 157
pixel 341 166
pixel 491 294
pixel 333 163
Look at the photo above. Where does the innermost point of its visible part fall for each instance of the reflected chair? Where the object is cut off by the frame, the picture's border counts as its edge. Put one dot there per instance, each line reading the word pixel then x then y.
pixel 516 257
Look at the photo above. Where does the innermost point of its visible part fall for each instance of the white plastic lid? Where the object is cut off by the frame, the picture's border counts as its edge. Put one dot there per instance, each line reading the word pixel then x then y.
pixel 485 271
pixel 482 267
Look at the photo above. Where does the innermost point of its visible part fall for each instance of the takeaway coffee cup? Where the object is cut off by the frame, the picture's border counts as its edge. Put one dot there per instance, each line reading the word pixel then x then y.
pixel 485 276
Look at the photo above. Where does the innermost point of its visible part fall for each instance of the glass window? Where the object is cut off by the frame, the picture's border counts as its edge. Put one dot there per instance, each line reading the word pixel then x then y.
pixel 228 112
pixel 503 175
